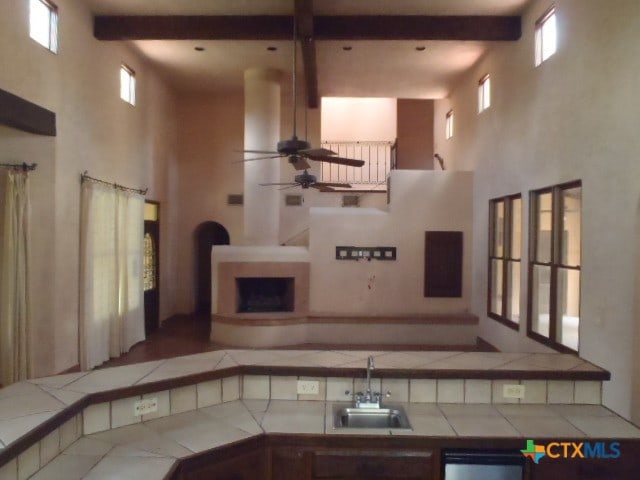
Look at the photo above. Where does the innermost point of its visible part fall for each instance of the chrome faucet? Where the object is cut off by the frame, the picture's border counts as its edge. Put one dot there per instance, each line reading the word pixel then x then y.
pixel 370 366
pixel 368 399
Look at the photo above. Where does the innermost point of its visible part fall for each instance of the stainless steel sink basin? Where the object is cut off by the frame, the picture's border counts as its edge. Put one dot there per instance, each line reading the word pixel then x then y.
pixel 385 417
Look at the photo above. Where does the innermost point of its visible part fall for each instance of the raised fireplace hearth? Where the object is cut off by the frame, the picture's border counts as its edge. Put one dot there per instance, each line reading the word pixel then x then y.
pixel 265 294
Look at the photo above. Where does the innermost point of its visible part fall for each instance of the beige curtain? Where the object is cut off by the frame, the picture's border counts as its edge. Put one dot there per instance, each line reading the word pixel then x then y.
pixel 111 290
pixel 14 311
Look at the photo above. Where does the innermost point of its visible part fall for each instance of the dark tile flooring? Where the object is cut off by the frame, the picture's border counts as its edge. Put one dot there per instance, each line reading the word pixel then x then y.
pixel 189 334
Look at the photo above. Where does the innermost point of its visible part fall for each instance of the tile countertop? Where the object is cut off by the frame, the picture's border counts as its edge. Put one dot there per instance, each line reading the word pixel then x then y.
pixel 149 449
pixel 29 405
pixel 25 405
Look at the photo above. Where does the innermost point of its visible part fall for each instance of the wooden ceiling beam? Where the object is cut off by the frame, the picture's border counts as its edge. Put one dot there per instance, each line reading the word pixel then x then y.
pixel 418 27
pixel 304 21
pixel 280 27
pixel 18 113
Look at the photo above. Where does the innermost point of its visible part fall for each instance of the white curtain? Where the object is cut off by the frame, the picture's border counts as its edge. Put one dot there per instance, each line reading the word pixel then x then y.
pixel 111 288
pixel 14 309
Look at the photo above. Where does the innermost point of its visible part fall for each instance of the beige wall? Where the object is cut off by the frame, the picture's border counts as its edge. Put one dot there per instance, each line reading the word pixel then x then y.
pixel 420 201
pixel 353 119
pixel 574 117
pixel 210 132
pixel 415 134
pixel 96 132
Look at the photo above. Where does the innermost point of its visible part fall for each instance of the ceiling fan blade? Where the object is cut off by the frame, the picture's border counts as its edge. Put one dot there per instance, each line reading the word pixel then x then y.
pixel 350 162
pixel 257 158
pixel 259 151
pixel 293 185
pixel 276 184
pixel 300 163
pixel 330 184
pixel 317 151
pixel 324 189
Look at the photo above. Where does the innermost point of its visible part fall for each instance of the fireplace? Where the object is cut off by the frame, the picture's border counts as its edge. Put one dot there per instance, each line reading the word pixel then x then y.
pixel 265 294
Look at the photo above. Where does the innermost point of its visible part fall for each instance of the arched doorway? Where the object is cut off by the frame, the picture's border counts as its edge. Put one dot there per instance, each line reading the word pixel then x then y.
pixel 207 234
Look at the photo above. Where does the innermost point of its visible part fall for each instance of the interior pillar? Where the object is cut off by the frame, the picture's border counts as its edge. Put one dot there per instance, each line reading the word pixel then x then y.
pixel 261 132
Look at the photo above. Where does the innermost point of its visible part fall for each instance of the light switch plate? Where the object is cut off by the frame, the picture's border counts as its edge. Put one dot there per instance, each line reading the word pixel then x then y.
pixel 513 391
pixel 145 406
pixel 308 387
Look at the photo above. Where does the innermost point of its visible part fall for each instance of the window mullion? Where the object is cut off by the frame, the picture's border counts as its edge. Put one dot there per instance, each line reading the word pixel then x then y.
pixel 556 238
pixel 506 254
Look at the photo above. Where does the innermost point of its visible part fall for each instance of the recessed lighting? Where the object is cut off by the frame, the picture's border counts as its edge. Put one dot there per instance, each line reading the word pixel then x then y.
pixel 199 49
pixel 346 48
pixel 272 49
pixel 420 48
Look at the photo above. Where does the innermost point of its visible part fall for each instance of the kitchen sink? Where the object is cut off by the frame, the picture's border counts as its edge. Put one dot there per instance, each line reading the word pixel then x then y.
pixel 384 417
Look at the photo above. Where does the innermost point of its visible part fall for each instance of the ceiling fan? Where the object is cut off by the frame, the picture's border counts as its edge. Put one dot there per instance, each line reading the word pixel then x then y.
pixel 306 180
pixel 299 151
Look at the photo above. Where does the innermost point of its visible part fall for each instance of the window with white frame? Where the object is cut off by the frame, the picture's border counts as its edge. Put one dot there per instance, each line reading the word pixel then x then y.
pixel 127 85
pixel 546 36
pixel 449 125
pixel 43 23
pixel 484 93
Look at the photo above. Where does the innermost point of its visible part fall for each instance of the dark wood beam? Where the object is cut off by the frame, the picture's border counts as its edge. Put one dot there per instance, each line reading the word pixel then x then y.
pixel 304 21
pixel 418 27
pixel 18 113
pixel 280 27
pixel 224 27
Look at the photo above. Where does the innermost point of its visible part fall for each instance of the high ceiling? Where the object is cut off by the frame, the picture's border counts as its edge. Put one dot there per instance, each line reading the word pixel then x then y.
pixel 372 68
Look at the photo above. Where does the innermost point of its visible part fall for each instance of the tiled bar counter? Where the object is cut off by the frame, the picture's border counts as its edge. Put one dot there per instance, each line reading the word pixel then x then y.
pixel 82 425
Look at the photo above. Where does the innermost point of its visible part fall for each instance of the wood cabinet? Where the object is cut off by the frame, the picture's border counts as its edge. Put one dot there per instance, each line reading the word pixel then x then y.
pixel 309 463
pixel 243 461
pixel 311 457
pixel 373 464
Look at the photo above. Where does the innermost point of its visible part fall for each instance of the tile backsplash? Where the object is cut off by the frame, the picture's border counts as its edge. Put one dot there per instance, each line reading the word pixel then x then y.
pixel 105 416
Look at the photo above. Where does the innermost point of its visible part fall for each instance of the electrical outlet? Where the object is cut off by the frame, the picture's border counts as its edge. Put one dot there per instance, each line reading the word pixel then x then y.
pixel 308 387
pixel 513 391
pixel 145 406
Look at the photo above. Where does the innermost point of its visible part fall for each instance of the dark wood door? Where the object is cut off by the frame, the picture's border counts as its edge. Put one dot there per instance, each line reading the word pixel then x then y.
pixel 151 276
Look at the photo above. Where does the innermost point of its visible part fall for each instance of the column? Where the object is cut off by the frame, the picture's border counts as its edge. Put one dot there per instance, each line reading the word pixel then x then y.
pixel 261 132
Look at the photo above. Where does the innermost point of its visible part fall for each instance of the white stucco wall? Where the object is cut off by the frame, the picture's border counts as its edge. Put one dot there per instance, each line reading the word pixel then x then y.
pixel 98 132
pixel 420 201
pixel 573 117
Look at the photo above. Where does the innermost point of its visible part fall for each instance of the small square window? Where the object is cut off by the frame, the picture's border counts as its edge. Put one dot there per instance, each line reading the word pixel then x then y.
pixel 546 36
pixel 448 129
pixel 484 93
pixel 43 23
pixel 127 85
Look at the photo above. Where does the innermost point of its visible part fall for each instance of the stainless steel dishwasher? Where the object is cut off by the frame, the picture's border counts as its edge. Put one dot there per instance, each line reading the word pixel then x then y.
pixel 483 465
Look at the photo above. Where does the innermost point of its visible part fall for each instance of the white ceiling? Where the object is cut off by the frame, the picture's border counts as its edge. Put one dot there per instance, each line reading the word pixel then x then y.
pixel 370 69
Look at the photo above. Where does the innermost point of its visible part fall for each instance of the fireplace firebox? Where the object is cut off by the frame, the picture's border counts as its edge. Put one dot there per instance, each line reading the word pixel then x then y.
pixel 265 294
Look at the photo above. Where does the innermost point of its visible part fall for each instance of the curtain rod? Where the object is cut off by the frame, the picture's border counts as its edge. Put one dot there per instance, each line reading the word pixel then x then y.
pixel 85 177
pixel 19 166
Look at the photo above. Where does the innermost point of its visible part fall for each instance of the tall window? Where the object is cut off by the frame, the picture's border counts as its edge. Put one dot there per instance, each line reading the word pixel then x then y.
pixel 554 266
pixel 127 85
pixel 505 240
pixel 484 93
pixel 43 23
pixel 449 125
pixel 546 36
